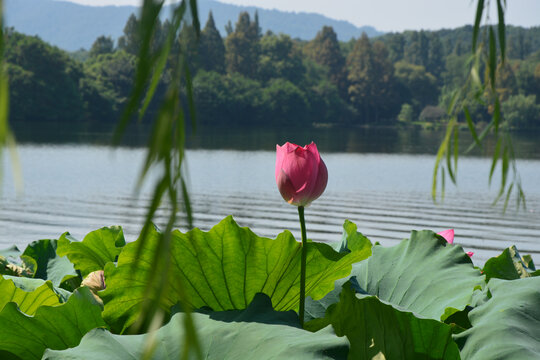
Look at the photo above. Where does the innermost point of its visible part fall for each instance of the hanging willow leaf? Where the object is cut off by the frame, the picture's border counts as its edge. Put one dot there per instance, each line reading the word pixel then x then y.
pixel 162 58
pixel 4 91
pixel 472 130
pixel 502 28
pixel 444 149
pixel 495 159
pixel 478 19
pixel 486 59
pixel 6 137
pixel 492 57
pixel 165 143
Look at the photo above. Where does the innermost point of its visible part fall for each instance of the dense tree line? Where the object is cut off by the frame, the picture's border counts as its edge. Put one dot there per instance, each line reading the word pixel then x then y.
pixel 250 78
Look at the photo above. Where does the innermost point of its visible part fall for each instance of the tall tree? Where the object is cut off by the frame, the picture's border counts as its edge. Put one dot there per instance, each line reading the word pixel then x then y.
pixel 188 45
pixel 102 45
pixel 372 85
pixel 242 47
pixel 417 51
pixel 280 58
pixel 396 47
pixel 211 48
pixel 324 50
pixel 419 86
pixel 130 42
pixel 435 64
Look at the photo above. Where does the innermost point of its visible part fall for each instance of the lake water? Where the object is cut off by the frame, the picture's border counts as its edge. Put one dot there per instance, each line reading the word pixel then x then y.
pixel 76 183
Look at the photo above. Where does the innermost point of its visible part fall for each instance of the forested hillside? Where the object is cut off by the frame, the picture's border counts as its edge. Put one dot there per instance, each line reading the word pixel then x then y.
pixel 253 79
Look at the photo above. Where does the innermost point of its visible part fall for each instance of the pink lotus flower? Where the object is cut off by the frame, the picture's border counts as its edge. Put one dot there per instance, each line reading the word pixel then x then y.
pixel 448 235
pixel 301 175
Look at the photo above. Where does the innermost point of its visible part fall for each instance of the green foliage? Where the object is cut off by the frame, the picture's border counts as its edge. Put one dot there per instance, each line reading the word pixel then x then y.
pixel 416 68
pixel 222 269
pixel 491 81
pixel 27 301
pixel 505 322
pixel 102 45
pixel 280 58
pixel 13 263
pixel 376 329
pixel 96 250
pixel 211 48
pixel 242 47
pixel 112 76
pixel 406 115
pixel 51 327
pixel 420 86
pixel 258 331
pixel 130 42
pixel 286 103
pixel 43 80
pixel 325 50
pixel 372 89
pixel 510 265
pixel 423 274
pixel 522 111
pixel 31 284
pixel 51 266
pixel 421 298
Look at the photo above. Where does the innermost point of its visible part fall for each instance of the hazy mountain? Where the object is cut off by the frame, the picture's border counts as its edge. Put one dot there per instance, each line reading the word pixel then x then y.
pixel 72 26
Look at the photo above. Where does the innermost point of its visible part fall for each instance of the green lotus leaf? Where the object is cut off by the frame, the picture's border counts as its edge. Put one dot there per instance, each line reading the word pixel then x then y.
pixel 50 266
pixel 31 284
pixel 376 329
pixel 423 274
pixel 507 325
pixel 12 262
pixel 257 332
pixel 29 298
pixel 55 327
pixel 352 240
pixel 510 265
pixel 222 269
pixel 97 249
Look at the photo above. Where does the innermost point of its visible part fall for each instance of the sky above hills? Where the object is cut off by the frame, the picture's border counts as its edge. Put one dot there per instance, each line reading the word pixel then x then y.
pixel 386 15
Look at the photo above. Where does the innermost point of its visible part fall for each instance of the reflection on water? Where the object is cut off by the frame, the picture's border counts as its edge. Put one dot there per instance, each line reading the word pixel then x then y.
pixel 387 140
pixel 80 188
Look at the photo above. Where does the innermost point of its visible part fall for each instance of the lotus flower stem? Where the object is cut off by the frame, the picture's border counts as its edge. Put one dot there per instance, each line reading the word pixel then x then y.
pixel 302 266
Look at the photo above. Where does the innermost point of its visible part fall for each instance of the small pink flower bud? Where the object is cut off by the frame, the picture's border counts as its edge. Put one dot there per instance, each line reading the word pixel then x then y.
pixel 448 235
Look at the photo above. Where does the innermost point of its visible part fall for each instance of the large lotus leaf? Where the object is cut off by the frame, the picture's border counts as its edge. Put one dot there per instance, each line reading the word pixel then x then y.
pixel 50 266
pixel 423 274
pixel 97 248
pixel 378 330
pixel 507 325
pixel 510 265
pixel 54 327
pixel 223 269
pixel 257 332
pixel 30 300
pixel 351 240
pixel 31 284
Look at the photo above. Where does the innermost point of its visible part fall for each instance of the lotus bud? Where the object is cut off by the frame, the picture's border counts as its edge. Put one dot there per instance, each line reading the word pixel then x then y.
pixel 301 174
pixel 448 235
pixel 95 281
